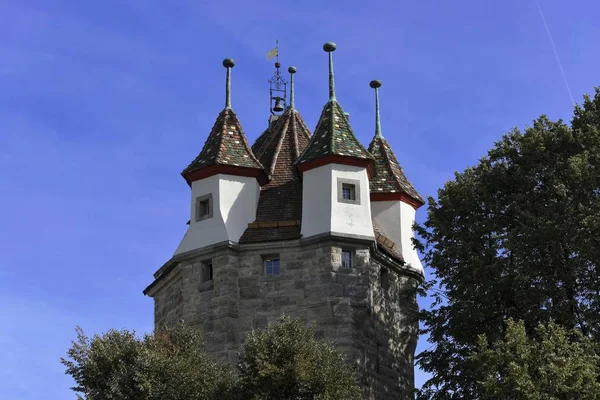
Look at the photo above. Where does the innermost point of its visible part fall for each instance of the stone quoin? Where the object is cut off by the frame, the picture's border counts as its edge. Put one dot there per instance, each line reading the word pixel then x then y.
pixel 310 225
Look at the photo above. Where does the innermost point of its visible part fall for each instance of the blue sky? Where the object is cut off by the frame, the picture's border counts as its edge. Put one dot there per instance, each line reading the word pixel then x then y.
pixel 102 104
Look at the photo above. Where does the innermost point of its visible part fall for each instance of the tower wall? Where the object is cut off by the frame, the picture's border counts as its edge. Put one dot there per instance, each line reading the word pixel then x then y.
pixel 395 220
pixel 233 201
pixel 375 327
pixel 323 209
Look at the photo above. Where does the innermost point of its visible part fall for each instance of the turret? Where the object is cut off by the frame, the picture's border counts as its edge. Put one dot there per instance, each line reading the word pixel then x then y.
pixel 394 200
pixel 335 170
pixel 225 181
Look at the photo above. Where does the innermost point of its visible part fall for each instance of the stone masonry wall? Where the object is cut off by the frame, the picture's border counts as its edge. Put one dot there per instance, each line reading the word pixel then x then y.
pixel 376 328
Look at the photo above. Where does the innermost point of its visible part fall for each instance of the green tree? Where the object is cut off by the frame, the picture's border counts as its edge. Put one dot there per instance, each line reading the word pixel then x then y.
pixel 168 364
pixel 516 236
pixel 554 365
pixel 286 362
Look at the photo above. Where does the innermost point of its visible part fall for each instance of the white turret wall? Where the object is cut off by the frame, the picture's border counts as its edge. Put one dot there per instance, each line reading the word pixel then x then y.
pixel 233 207
pixel 395 220
pixel 322 210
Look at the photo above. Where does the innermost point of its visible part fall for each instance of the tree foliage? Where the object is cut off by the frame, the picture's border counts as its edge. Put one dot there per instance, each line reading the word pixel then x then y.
pixel 516 236
pixel 556 364
pixel 285 361
pixel 169 364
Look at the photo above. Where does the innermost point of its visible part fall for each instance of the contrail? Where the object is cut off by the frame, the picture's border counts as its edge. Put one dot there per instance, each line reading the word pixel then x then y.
pixel 562 71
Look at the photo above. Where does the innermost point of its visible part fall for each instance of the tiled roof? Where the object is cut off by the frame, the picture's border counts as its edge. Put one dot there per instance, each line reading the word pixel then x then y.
pixel 253 235
pixel 334 136
pixel 226 145
pixel 280 146
pixel 386 245
pixel 280 199
pixel 390 177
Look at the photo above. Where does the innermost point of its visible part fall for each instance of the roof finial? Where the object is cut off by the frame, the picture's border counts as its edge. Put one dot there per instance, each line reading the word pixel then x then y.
pixel 292 71
pixel 375 84
pixel 228 63
pixel 330 47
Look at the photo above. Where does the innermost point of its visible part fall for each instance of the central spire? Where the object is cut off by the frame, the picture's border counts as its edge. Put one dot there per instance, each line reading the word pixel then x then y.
pixel 375 84
pixel 228 63
pixel 330 47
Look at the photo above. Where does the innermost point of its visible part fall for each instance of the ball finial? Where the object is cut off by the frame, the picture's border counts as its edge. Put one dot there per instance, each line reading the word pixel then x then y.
pixel 375 84
pixel 292 70
pixel 329 47
pixel 228 63
pixel 277 65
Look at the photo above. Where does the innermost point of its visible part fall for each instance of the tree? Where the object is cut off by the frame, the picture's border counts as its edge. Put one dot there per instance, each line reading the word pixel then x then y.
pixel 168 364
pixel 555 365
pixel 285 361
pixel 516 236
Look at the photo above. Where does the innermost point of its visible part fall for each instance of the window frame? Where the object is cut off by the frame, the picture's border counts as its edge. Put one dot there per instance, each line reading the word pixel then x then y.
pixel 200 200
pixel 345 182
pixel 269 264
pixel 350 258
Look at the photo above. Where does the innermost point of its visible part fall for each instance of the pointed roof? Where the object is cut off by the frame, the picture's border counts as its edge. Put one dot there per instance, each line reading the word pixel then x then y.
pixel 390 180
pixel 226 149
pixel 279 209
pixel 278 148
pixel 334 139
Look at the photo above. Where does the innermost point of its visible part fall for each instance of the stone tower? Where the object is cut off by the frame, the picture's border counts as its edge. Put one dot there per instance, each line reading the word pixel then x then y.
pixel 314 226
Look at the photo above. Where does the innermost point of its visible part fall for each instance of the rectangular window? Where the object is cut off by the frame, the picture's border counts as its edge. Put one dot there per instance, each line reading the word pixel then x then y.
pixel 348 191
pixel 206 273
pixel 204 207
pixel 272 266
pixel 385 278
pixel 346 258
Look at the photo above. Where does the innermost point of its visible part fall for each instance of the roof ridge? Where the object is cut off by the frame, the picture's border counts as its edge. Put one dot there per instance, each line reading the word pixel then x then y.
pixel 245 139
pixel 279 144
pixel 223 132
pixel 387 159
pixel 272 128
pixel 332 122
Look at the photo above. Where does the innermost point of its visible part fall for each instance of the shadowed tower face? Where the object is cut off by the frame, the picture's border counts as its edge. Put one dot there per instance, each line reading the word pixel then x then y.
pixel 314 226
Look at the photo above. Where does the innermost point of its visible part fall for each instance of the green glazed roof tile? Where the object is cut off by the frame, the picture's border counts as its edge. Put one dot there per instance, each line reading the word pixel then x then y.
pixel 390 177
pixel 334 136
pixel 226 145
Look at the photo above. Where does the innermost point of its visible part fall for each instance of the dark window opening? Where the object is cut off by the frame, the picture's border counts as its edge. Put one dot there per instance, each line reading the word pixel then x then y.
pixel 385 278
pixel 348 191
pixel 347 258
pixel 204 208
pixel 206 274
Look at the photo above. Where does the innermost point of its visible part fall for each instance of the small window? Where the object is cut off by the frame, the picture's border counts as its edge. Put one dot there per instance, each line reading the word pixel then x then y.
pixel 204 207
pixel 272 266
pixel 206 274
pixel 348 191
pixel 385 278
pixel 346 258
